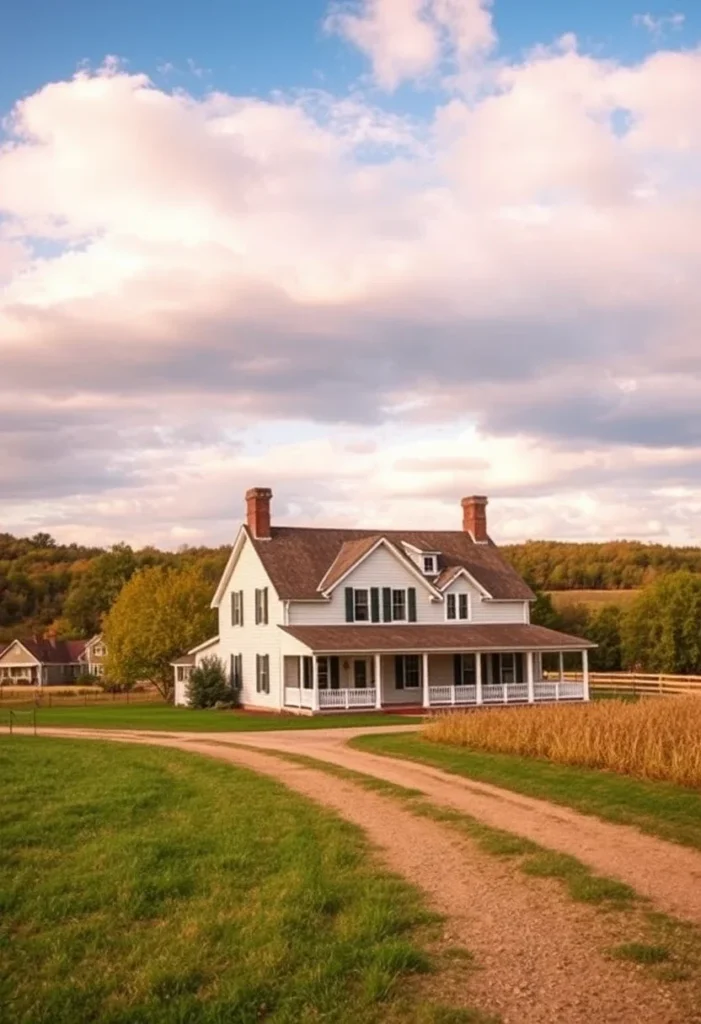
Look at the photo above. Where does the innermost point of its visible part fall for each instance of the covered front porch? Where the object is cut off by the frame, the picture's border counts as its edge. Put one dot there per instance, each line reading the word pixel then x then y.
pixel 321 682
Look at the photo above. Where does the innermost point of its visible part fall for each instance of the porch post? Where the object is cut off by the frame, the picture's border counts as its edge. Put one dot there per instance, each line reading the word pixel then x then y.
pixel 585 673
pixel 315 683
pixel 425 681
pixel 378 682
pixel 478 677
pixel 529 676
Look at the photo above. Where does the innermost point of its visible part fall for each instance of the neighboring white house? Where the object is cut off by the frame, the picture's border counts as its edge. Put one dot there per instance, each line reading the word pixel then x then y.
pixel 48 662
pixel 314 619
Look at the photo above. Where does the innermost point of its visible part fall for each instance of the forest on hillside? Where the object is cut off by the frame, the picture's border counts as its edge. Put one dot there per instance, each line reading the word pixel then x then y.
pixel 612 565
pixel 66 589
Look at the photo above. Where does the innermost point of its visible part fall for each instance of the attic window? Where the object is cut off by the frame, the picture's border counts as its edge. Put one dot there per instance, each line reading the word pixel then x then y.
pixel 429 564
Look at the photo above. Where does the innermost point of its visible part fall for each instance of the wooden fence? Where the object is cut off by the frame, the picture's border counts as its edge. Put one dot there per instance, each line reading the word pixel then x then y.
pixel 641 684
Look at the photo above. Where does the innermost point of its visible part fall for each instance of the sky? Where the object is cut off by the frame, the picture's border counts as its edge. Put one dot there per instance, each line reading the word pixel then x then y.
pixel 376 255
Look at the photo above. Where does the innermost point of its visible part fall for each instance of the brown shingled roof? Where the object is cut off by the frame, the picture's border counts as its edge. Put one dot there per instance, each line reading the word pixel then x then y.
pixel 351 552
pixel 298 558
pixel 449 637
pixel 54 652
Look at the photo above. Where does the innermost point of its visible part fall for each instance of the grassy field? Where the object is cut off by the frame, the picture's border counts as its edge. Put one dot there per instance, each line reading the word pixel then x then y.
pixel 660 808
pixel 158 717
pixel 143 886
pixel 651 739
pixel 593 598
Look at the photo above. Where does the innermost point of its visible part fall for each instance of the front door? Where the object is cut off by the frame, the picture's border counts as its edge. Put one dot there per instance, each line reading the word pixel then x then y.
pixel 360 674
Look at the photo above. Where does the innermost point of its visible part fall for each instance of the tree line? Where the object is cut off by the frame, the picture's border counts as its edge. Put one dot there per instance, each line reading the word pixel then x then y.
pixel 659 631
pixel 614 565
pixel 67 589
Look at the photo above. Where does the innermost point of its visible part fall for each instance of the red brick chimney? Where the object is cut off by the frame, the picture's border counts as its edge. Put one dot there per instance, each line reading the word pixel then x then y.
pixel 474 518
pixel 258 512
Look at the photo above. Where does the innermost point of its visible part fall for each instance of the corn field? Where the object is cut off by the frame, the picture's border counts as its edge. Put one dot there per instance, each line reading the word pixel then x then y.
pixel 658 738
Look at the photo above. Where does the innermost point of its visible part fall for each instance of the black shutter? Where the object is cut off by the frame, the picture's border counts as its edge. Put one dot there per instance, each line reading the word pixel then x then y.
pixel 265 606
pixel 457 669
pixel 240 607
pixel 412 604
pixel 349 604
pixel 256 606
pixel 334 672
pixel 399 672
pixel 267 672
pixel 374 604
pixel 386 604
pixel 257 673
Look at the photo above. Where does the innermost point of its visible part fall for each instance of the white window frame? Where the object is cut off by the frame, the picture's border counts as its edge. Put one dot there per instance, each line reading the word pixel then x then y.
pixel 429 564
pixel 237 607
pixel 356 592
pixel 404 604
pixel 263 673
pixel 261 609
pixel 453 602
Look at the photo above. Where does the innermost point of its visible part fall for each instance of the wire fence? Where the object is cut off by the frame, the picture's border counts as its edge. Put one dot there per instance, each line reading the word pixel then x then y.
pixel 16 698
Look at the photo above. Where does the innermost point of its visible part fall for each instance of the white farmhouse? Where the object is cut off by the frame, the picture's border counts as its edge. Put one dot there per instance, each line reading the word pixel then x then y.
pixel 324 620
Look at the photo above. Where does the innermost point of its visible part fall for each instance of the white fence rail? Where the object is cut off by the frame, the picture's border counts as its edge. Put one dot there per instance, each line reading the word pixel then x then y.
pixel 506 693
pixel 347 698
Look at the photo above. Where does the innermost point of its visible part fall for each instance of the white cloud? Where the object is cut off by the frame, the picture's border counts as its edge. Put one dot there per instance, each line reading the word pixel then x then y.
pixel 657 25
pixel 406 39
pixel 373 314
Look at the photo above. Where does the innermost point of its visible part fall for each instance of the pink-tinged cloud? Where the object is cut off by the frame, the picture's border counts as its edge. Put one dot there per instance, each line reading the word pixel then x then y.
pixel 198 292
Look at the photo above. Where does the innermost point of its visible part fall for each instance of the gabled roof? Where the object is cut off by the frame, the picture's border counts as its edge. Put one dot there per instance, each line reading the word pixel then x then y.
pixel 350 553
pixel 447 638
pixel 297 559
pixel 53 652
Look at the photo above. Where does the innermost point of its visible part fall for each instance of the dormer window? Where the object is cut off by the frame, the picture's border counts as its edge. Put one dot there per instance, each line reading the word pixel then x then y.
pixel 430 564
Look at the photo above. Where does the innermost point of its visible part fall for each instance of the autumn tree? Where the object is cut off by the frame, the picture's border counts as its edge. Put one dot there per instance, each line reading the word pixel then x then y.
pixel 95 590
pixel 661 630
pixel 159 613
pixel 604 628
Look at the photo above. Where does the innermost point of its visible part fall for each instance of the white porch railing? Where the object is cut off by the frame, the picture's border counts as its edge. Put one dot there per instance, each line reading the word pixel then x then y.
pixel 347 698
pixel 505 693
pixel 297 698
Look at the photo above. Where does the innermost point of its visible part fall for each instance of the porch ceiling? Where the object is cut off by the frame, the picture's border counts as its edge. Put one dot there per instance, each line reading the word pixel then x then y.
pixel 447 638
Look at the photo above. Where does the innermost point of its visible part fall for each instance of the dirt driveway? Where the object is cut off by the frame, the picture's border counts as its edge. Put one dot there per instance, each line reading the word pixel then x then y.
pixel 541 957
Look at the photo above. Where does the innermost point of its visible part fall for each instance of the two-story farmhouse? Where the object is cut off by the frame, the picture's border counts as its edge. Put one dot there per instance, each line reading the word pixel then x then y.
pixel 314 619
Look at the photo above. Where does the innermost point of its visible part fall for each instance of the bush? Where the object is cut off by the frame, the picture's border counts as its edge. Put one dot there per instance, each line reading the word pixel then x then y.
pixel 209 685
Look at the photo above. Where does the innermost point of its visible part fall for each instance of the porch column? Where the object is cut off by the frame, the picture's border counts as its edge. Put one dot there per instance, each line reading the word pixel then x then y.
pixel 478 677
pixel 300 678
pixel 378 681
pixel 529 676
pixel 315 683
pixel 585 673
pixel 562 666
pixel 425 680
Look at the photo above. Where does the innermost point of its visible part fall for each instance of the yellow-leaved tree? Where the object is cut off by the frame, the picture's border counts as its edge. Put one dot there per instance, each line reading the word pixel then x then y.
pixel 159 614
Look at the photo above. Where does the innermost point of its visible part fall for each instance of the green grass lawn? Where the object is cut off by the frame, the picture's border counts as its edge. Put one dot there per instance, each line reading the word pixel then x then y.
pixel 660 808
pixel 163 716
pixel 143 886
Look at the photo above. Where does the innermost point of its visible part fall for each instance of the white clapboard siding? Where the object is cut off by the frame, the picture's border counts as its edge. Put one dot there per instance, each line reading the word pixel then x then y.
pixel 383 569
pixel 250 639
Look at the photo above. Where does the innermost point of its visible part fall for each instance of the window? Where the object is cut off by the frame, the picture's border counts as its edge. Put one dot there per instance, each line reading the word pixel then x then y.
pixel 399 606
pixel 328 670
pixel 236 671
pixel 407 672
pixel 465 670
pixel 360 674
pixel 262 673
pixel 307 673
pixel 98 651
pixel 507 668
pixel 457 607
pixel 361 606
pixel 237 608
pixel 429 563
pixel 322 667
pixel 262 607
